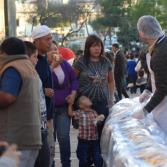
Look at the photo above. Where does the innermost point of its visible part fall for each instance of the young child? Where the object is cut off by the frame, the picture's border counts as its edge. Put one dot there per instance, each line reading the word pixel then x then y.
pixel 44 153
pixel 88 135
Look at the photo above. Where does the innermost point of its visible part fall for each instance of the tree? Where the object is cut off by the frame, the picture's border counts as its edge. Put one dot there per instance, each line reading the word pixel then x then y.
pixel 113 12
pixel 149 7
pixel 64 15
pixel 125 14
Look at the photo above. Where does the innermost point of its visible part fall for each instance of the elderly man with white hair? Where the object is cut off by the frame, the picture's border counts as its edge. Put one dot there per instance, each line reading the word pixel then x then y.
pixel 151 33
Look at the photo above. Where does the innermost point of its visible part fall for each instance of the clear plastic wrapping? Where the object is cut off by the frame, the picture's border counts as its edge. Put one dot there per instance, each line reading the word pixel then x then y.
pixel 128 142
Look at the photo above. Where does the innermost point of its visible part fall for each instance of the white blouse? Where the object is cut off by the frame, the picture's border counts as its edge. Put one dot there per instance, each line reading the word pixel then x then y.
pixel 60 74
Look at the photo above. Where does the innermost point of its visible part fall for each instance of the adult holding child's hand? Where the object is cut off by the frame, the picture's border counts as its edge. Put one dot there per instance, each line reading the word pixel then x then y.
pixel 95 76
pixel 65 85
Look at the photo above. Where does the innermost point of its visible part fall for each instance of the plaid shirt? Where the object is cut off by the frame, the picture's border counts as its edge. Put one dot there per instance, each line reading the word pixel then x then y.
pixel 87 127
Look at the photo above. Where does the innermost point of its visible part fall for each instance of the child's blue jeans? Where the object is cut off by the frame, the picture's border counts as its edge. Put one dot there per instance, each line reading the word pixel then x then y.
pixel 83 152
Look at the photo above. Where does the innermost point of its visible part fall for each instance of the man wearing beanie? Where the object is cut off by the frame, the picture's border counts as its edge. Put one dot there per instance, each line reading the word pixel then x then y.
pixel 42 39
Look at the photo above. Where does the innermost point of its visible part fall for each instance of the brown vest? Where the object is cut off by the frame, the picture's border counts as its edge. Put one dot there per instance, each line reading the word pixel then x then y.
pixel 20 122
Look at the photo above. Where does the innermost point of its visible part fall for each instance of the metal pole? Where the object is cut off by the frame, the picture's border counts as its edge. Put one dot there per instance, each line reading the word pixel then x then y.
pixel 6 18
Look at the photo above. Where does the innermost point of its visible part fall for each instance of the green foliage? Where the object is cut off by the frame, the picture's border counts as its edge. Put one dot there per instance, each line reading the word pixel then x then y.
pixel 125 14
pixel 59 15
pixel 112 12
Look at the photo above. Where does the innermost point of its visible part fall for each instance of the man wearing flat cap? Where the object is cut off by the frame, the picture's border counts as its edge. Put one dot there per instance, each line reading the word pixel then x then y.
pixel 43 39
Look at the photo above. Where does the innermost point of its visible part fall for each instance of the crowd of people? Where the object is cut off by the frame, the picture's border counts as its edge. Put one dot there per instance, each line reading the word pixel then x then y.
pixel 40 93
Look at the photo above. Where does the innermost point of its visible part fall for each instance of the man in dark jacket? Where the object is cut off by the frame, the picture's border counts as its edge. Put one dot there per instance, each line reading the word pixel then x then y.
pixel 119 71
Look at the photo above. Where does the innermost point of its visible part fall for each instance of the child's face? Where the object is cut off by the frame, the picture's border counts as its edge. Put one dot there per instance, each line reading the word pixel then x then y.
pixel 85 103
pixel 34 58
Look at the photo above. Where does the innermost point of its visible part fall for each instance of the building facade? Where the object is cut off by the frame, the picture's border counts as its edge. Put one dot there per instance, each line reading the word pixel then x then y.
pixel 25 15
pixel 8 19
pixel 2 21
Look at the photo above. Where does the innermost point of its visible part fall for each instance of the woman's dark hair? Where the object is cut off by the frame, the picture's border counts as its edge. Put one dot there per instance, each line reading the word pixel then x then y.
pixel 13 46
pixel 92 39
pixel 30 48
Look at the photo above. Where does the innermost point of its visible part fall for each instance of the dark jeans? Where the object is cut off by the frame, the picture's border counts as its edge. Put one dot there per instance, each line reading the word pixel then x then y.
pixel 43 159
pixel 132 79
pixel 121 88
pixel 62 129
pixel 84 146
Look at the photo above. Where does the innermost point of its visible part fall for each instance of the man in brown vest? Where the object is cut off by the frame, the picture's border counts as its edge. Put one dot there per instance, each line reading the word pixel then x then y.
pixel 19 101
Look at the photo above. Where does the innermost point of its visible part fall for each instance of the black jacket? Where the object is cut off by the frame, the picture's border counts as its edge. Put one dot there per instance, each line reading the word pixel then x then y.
pixel 120 67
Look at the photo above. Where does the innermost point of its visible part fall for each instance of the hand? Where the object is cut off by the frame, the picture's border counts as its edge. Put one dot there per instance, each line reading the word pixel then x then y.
pixel 144 96
pixel 13 154
pixel 3 143
pixel 50 56
pixel 71 113
pixel 3 147
pixel 50 125
pixel 140 114
pixel 110 102
pixel 101 117
pixel 49 92
pixel 70 98
pixel 98 119
pixel 52 53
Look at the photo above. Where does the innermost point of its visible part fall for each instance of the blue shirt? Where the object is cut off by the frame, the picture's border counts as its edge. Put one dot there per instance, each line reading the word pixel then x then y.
pixel 11 81
pixel 131 67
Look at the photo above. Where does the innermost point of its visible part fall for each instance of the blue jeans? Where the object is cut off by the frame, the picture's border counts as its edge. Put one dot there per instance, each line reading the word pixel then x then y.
pixel 83 149
pixel 62 129
pixel 28 157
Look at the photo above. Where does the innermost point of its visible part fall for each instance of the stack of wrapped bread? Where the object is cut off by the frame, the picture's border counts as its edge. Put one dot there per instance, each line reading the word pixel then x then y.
pixel 129 142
